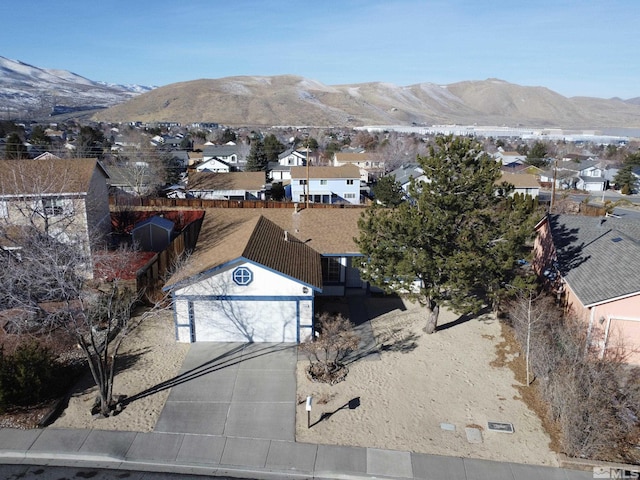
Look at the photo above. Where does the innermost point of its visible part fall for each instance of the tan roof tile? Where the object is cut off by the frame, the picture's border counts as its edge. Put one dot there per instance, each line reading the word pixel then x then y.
pixel 346 171
pixel 46 176
pixel 519 180
pixel 226 181
pixel 224 238
pixel 226 233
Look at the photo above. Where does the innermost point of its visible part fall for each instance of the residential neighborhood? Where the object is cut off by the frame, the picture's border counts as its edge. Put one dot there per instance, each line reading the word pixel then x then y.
pixel 248 249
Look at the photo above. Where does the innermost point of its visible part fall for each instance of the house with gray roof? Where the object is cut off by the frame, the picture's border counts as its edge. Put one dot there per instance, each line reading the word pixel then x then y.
pixel 228 153
pixel 593 263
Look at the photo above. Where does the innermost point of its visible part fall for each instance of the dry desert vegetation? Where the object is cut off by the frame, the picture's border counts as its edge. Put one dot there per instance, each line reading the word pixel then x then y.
pixel 398 398
pixel 404 391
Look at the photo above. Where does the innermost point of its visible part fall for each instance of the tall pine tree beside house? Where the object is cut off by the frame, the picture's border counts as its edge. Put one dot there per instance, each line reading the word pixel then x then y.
pixel 447 246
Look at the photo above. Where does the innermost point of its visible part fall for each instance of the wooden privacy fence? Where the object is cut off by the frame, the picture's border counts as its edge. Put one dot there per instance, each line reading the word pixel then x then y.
pixel 201 203
pixel 150 278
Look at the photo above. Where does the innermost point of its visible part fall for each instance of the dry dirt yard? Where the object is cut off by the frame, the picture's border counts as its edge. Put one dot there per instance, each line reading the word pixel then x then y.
pixel 420 381
pixel 149 356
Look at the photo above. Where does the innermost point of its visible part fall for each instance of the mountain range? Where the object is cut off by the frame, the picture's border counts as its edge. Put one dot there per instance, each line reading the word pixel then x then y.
pixel 294 100
pixel 29 91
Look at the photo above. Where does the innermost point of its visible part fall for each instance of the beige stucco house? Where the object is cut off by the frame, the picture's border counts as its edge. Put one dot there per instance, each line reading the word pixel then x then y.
pixel 66 199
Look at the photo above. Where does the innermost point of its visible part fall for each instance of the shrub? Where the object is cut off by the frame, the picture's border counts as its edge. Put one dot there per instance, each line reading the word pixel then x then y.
pixel 327 353
pixel 25 376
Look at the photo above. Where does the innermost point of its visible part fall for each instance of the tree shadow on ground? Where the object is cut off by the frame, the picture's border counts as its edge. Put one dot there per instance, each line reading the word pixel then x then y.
pixel 229 358
pixel 360 310
pixel 483 315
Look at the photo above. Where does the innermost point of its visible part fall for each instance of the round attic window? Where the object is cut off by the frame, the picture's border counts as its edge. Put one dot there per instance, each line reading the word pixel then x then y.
pixel 242 276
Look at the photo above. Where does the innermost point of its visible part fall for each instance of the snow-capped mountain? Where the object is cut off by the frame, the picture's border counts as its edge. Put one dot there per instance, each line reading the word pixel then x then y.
pixel 28 90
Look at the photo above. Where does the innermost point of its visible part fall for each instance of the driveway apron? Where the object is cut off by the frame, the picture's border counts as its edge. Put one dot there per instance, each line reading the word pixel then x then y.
pixel 234 390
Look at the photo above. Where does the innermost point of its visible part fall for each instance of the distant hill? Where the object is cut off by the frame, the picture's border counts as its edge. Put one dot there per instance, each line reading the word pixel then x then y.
pixel 30 91
pixel 27 91
pixel 293 100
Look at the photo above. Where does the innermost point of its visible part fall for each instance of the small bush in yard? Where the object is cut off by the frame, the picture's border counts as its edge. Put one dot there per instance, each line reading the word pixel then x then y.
pixel 327 352
pixel 25 376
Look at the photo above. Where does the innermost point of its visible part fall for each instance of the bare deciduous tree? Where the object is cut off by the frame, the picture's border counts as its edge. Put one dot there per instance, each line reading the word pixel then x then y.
pixel 327 352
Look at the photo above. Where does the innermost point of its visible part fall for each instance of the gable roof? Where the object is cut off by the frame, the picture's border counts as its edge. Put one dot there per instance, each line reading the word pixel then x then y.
pixel 599 258
pixel 346 171
pixel 519 180
pixel 219 150
pixel 253 181
pixel 351 157
pixel 47 176
pixel 254 239
pixel 405 173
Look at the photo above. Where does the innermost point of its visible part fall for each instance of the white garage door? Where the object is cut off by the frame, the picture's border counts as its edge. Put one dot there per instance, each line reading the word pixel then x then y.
pixel 245 321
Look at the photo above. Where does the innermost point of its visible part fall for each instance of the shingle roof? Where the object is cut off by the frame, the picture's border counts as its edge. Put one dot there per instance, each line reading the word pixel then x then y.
pixel 346 171
pixel 226 181
pixel 599 258
pixel 46 176
pixel 219 150
pixel 351 157
pixel 519 180
pixel 256 239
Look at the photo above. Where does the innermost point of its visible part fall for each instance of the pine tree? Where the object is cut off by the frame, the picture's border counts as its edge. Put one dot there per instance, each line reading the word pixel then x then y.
pixel 449 245
pixel 257 159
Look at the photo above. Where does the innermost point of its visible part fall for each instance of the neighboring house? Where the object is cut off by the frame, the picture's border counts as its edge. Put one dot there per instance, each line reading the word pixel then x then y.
pixel 369 168
pixel 65 199
pixel 591 177
pixel 510 159
pixel 256 274
pixel 406 173
pixel 227 186
pixel 132 179
pixel 293 158
pixel 228 153
pixel 153 234
pixel 280 171
pixel 593 264
pixel 326 184
pixel 214 165
pixel 523 183
pixel 588 175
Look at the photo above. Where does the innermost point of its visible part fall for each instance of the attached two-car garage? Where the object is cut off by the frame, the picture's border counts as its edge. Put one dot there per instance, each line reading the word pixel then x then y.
pixel 265 294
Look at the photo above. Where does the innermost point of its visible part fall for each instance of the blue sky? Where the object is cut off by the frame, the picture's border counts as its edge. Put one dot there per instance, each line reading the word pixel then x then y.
pixel 572 47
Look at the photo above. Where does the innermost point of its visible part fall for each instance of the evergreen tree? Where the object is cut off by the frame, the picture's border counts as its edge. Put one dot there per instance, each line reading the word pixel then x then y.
pixel 228 136
pixel 449 246
pixel 625 180
pixel 257 158
pixel 388 192
pixel 272 148
pixel 15 148
pixel 537 155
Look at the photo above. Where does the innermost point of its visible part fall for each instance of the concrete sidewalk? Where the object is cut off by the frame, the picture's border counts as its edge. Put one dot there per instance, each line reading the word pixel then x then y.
pixel 254 458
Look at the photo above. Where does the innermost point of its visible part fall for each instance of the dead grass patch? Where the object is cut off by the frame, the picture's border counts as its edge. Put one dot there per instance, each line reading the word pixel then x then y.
pixel 505 356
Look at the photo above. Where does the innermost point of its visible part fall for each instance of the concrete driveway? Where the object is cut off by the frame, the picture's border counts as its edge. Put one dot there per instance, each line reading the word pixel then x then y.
pixel 234 390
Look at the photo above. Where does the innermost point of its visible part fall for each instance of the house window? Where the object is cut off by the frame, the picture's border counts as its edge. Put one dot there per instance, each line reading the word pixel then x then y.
pixel 302 182
pixel 331 268
pixel 349 195
pixel 242 276
pixel 323 182
pixel 54 207
pixel 349 182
